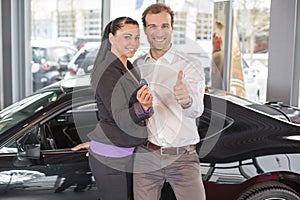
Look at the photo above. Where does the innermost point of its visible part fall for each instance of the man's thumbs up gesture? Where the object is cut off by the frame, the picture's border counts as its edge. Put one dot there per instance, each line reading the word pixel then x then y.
pixel 181 92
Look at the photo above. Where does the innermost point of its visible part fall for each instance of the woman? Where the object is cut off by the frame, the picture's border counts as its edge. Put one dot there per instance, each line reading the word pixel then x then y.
pixel 123 107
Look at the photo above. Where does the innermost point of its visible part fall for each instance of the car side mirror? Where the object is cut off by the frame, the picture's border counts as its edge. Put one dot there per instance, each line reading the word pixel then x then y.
pixel 28 148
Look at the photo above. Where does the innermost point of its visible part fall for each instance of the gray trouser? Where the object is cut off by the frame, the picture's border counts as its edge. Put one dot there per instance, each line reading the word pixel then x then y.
pixel 113 176
pixel 152 170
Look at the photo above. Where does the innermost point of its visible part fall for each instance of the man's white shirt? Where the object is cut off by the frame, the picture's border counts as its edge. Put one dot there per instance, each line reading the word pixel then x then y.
pixel 171 125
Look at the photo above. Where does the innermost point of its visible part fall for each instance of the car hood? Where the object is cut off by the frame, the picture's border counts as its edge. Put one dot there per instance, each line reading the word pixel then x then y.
pixel 245 131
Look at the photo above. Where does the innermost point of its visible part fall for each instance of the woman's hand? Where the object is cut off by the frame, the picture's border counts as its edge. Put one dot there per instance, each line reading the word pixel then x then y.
pixel 144 97
pixel 82 146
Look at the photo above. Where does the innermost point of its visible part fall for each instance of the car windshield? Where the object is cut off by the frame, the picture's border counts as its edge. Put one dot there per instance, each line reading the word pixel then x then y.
pixel 23 109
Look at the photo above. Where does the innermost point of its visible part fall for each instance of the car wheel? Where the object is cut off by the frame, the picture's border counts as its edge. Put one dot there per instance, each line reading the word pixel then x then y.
pixel 269 191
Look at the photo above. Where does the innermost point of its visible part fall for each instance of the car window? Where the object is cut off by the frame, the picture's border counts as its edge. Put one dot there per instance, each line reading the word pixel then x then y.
pixel 88 62
pixel 11 146
pixel 70 53
pixel 38 54
pixel 69 128
pixel 81 57
pixel 61 131
pixel 21 110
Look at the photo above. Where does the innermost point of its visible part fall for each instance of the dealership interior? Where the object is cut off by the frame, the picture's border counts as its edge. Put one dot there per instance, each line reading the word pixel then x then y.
pixel 248 148
pixel 283 60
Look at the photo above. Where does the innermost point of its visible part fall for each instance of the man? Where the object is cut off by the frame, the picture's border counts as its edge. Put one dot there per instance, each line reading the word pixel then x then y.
pixel 177 84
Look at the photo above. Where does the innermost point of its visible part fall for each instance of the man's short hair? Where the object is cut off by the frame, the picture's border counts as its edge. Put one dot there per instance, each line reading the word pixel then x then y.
pixel 155 9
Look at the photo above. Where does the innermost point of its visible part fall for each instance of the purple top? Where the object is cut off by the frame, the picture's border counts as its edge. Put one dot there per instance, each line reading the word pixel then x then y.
pixel 110 150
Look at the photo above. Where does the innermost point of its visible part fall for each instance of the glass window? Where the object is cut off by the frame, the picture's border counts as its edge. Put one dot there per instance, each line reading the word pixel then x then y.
pixel 79 21
pixel 11 146
pixel 20 111
pixel 71 22
pixel 253 23
pixel 62 131
pixel 131 8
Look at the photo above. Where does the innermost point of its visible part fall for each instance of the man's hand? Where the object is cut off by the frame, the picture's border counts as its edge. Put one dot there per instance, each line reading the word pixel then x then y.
pixel 181 91
pixel 144 97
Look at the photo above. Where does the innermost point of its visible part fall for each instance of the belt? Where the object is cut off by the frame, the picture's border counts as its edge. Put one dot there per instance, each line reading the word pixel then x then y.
pixel 170 150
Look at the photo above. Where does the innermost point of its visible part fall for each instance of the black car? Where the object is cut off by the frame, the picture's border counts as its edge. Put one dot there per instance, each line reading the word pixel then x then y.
pixel 248 151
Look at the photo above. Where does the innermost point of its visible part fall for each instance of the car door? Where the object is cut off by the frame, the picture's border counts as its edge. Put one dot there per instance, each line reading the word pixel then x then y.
pixel 40 158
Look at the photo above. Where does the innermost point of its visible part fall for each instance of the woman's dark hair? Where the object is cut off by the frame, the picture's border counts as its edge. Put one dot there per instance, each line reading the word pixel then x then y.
pixel 111 27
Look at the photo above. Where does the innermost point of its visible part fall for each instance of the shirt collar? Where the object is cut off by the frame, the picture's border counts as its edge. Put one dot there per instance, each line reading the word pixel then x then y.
pixel 167 57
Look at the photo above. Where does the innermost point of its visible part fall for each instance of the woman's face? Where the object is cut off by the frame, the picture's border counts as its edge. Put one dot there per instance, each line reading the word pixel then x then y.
pixel 126 41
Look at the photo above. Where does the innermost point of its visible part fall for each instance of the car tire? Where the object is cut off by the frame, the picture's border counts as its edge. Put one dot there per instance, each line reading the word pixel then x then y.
pixel 271 190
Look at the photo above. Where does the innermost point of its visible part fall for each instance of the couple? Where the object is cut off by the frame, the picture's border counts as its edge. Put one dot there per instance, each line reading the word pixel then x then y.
pixel 153 123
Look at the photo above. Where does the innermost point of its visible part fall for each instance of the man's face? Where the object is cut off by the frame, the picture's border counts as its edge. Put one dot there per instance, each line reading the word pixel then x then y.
pixel 159 30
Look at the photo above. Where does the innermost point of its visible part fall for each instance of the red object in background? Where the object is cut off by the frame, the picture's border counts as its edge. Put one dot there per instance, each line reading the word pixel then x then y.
pixel 217 42
pixel 81 45
pixel 45 67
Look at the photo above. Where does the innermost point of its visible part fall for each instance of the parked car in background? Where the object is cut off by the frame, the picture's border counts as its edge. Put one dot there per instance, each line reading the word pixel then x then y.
pixel 81 41
pixel 248 151
pixel 49 61
pixel 83 62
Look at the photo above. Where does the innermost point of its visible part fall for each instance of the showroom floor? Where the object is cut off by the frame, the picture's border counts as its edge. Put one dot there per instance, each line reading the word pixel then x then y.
pixel 39 195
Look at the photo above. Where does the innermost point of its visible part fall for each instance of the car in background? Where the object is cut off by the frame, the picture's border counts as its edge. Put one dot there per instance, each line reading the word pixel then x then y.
pixel 248 151
pixel 81 41
pixel 83 61
pixel 49 61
